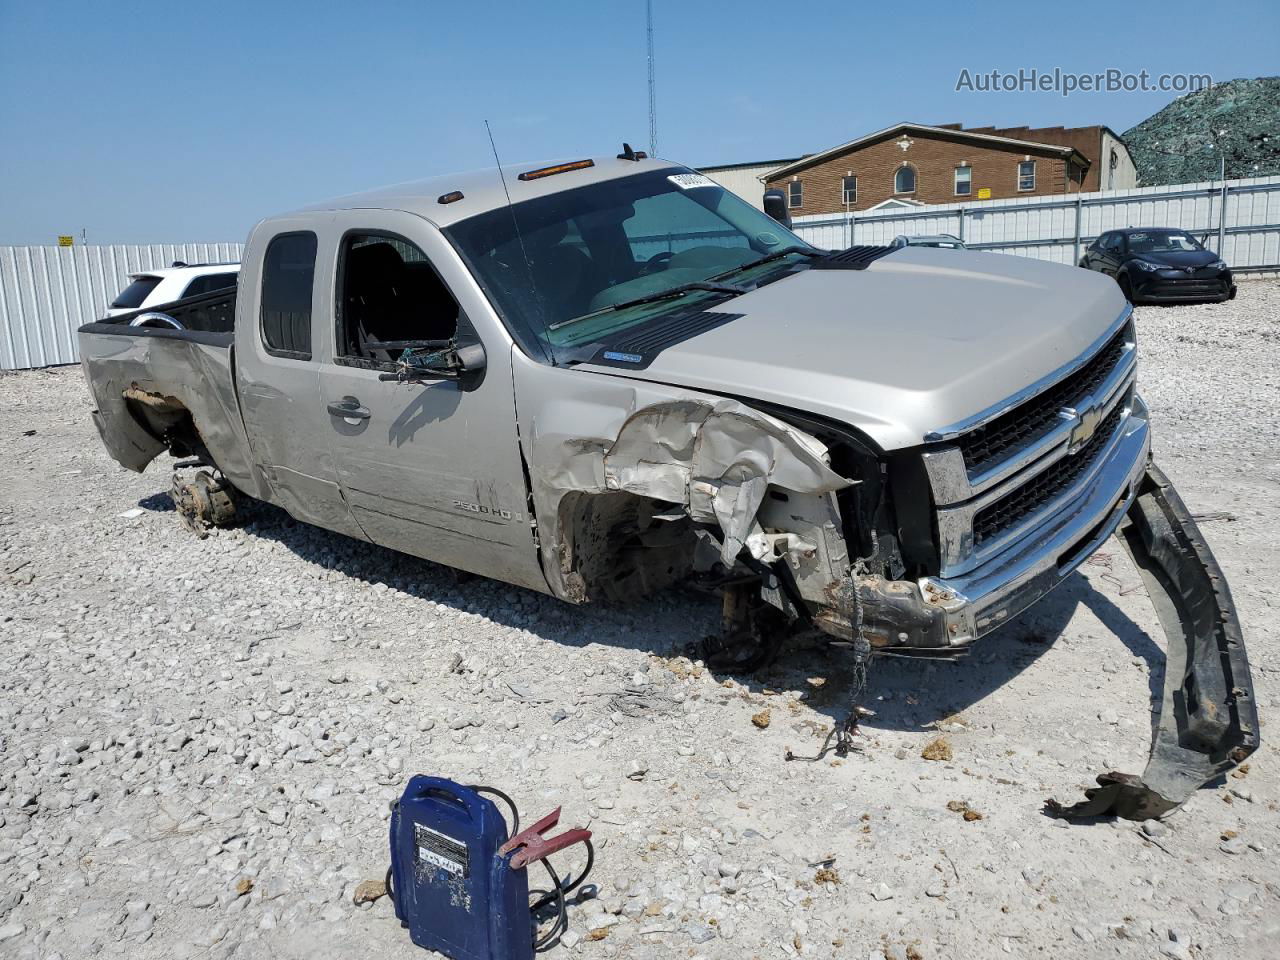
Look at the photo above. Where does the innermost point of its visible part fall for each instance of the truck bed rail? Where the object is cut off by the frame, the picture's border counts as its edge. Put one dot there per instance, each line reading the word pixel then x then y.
pixel 213 312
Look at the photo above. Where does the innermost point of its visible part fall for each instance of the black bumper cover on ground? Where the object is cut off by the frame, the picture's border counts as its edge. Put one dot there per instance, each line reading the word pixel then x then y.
pixel 1207 722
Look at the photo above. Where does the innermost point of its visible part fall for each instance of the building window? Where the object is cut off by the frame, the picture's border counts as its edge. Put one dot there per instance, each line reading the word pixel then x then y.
pixel 964 180
pixel 287 273
pixel 795 194
pixel 1027 175
pixel 850 190
pixel 904 181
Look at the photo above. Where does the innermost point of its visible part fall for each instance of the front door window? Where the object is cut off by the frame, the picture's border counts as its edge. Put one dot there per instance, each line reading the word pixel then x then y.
pixel 389 292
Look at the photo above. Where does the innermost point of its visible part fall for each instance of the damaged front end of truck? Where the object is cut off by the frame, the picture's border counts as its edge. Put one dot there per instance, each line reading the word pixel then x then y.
pixel 805 525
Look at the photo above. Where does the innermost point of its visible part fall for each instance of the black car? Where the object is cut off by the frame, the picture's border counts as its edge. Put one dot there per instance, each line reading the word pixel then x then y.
pixel 1160 265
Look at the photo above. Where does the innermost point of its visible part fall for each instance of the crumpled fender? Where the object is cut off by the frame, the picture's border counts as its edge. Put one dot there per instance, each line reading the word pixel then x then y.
pixel 717 458
pixel 1207 722
pixel 166 373
pixel 720 458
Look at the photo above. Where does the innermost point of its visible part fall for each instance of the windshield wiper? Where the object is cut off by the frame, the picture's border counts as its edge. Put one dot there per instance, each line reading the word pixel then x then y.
pixel 711 283
pixel 768 258
pixel 670 292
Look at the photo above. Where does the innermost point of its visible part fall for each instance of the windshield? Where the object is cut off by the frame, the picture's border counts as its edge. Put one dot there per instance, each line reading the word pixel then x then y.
pixel 583 252
pixel 1163 241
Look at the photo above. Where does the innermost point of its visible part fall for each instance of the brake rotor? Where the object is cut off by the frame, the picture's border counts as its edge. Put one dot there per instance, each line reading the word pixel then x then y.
pixel 203 503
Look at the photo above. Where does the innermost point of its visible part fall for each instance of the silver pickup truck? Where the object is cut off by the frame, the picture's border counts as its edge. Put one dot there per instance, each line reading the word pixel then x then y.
pixel 597 378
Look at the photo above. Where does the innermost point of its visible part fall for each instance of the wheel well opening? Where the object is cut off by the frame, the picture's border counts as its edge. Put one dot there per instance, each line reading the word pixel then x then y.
pixel 619 546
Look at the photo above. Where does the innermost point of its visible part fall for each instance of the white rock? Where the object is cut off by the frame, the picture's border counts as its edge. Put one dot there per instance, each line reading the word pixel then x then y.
pixel 114 837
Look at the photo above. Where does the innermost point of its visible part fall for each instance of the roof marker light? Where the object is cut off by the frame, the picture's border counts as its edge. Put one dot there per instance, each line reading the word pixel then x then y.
pixel 558 168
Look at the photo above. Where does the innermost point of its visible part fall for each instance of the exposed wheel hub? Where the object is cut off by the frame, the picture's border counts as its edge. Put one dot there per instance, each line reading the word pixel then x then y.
pixel 203 502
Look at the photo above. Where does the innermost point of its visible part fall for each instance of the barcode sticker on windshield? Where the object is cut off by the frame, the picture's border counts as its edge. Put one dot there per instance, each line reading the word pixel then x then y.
pixel 687 181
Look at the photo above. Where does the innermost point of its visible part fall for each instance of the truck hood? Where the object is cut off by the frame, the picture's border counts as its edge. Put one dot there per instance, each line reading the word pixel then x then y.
pixel 919 340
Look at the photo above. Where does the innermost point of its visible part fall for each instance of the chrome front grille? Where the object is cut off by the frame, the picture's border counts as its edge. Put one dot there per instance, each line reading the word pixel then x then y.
pixel 1011 510
pixel 1004 474
pixel 1028 422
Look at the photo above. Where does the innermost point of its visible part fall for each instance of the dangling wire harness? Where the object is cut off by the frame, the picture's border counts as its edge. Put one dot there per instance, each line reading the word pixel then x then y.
pixel 845 730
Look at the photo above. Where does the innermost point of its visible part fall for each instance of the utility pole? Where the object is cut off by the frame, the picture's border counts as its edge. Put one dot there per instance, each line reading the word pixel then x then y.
pixel 653 92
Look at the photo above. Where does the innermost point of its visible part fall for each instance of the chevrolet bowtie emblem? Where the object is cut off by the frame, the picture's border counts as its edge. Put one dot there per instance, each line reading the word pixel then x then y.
pixel 1084 423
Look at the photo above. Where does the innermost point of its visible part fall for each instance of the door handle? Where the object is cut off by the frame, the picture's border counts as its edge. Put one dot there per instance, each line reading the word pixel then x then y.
pixel 349 409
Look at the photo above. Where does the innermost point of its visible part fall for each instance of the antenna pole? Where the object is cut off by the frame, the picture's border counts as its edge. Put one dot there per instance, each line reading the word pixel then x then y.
pixel 515 223
pixel 653 92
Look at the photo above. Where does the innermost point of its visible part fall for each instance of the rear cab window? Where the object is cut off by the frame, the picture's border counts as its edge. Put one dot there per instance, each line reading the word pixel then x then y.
pixel 288 275
pixel 132 296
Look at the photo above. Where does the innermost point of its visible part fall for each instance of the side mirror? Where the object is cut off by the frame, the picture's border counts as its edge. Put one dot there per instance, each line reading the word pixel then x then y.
pixel 775 205
pixel 446 361
pixel 471 358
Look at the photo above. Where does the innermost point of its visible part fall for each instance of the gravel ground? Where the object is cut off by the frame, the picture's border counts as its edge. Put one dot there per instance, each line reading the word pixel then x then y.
pixel 200 738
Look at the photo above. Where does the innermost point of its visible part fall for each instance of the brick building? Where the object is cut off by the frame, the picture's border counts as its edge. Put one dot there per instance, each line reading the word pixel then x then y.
pixel 949 164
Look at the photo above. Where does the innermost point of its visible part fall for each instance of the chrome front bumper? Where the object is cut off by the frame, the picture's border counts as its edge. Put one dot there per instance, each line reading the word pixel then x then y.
pixel 976 602
pixel 1206 721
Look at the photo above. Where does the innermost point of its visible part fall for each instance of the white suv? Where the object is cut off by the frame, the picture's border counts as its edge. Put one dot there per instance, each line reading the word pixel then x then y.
pixel 168 284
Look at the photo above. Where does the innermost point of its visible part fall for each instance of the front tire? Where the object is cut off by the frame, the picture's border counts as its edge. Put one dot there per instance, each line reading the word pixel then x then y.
pixel 1126 287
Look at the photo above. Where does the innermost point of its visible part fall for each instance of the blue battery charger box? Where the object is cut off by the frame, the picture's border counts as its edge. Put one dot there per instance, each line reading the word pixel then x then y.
pixel 453 890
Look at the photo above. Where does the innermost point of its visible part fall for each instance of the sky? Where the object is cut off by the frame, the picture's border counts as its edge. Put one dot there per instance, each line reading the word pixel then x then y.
pixel 142 122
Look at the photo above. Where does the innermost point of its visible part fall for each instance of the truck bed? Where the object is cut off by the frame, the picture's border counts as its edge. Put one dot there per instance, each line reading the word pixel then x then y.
pixel 158 388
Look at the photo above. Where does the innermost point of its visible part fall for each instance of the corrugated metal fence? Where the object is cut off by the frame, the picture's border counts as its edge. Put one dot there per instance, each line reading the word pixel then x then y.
pixel 48 292
pixel 1241 219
